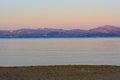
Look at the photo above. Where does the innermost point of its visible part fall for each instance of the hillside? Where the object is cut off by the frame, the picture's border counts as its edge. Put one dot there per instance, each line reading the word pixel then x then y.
pixel 103 31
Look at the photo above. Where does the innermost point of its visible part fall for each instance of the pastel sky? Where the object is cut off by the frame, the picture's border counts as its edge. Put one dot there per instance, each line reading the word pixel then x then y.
pixel 67 14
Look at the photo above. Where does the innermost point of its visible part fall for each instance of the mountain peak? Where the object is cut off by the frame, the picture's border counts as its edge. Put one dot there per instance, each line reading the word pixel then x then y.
pixel 105 29
pixel 108 27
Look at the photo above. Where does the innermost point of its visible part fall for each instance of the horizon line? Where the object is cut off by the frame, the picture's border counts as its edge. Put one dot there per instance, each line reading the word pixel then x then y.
pixel 58 28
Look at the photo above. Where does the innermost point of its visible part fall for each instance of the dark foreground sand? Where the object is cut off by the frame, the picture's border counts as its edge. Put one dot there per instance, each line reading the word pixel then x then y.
pixel 71 72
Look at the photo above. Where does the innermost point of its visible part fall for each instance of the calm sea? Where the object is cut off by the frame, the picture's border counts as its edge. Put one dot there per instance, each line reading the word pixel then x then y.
pixel 90 51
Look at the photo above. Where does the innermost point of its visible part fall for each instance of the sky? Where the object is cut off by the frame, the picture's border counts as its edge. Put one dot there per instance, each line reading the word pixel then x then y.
pixel 66 14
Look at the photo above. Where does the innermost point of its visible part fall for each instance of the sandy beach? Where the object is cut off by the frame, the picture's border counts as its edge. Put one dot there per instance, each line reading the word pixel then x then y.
pixel 63 72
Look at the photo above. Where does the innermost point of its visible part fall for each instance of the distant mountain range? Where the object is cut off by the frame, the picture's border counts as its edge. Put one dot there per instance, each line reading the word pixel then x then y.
pixel 103 31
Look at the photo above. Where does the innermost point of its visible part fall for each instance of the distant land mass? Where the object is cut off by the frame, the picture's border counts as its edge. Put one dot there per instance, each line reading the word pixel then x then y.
pixel 103 31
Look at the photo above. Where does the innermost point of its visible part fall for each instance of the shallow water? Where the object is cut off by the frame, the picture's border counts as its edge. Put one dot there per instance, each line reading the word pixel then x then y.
pixel 60 51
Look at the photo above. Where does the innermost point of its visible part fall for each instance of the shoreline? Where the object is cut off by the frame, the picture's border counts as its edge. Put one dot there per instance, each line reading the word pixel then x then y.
pixel 19 66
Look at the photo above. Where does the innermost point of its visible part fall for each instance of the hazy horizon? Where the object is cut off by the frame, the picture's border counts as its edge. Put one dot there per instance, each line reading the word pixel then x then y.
pixel 60 28
pixel 63 14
